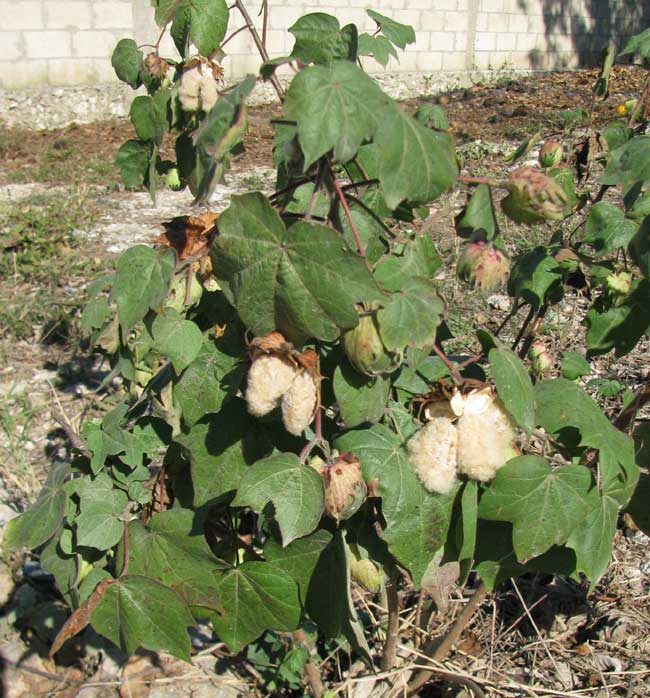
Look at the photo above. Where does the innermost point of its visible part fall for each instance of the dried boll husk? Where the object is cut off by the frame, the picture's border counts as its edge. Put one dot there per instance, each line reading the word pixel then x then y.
pixel 432 453
pixel 485 441
pixel 299 403
pixel 269 378
pixel 345 488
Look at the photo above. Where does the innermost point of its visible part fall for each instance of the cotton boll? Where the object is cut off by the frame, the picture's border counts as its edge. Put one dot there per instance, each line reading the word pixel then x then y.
pixel 208 91
pixel 485 442
pixel 268 379
pixel 189 89
pixel 298 404
pixel 432 453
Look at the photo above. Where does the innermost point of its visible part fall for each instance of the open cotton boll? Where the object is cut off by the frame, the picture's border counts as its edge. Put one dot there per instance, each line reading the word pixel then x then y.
pixel 432 453
pixel 208 91
pixel 298 404
pixel 485 442
pixel 189 89
pixel 268 379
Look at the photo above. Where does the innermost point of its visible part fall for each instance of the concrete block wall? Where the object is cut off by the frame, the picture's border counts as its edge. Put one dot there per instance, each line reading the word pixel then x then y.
pixel 69 42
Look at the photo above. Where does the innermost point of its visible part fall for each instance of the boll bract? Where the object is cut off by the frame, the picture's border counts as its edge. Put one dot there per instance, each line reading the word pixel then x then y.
pixel 433 452
pixel 299 403
pixel 483 266
pixel 269 378
pixel 534 197
pixel 485 438
pixel 541 360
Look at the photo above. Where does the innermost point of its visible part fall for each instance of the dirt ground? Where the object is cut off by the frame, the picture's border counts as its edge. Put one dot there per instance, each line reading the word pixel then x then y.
pixel 538 636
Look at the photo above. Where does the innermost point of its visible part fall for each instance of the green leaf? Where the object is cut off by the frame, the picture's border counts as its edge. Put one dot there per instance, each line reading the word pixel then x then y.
pixel 177 339
pixel 514 386
pixel 203 22
pixel 256 596
pixel 524 148
pixel 301 281
pixel 149 124
pixel 432 116
pixel 172 548
pixel 466 531
pixel 574 365
pixel 141 283
pixel 535 277
pixel 63 567
pixel 299 559
pixel 99 524
pixel 478 217
pixel 396 32
pixel 320 39
pixel 127 62
pixel 133 160
pixel 295 490
pixel 562 407
pixel 361 399
pixel 616 134
pixel 137 612
pixel 336 107
pixel 620 327
pixel 416 522
pixel 593 539
pixel 219 457
pixel 379 47
pixel 411 316
pixel 43 519
pixel 415 163
pixel 607 229
pixel 544 505
pixel 210 380
pixel 94 315
pixel 639 43
pixel 630 164
pixel 496 560
pixel 370 233
pixel 601 88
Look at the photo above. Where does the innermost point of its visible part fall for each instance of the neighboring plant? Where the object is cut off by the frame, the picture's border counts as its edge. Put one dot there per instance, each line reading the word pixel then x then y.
pixel 291 420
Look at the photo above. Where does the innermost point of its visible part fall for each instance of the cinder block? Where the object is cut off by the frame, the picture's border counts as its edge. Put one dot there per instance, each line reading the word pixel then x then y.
pixel 518 23
pixel 485 41
pixel 506 42
pixel 112 15
pixel 455 21
pixel 70 71
pixel 104 72
pixel 94 44
pixel 429 61
pixel 10 46
pixel 21 15
pixel 432 21
pixel 426 4
pixel 47 44
pixel 68 15
pixel 482 22
pixel 25 74
pixel 460 41
pixel 276 42
pixel 442 41
pixel 453 61
pixel 284 17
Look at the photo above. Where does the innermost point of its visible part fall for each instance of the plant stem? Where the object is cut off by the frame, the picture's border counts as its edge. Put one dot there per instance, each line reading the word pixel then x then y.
pixel 260 47
pixel 389 653
pixel 453 371
pixel 478 180
pixel 442 650
pixel 348 215
pixel 533 331
pixel 312 672
pixel 168 19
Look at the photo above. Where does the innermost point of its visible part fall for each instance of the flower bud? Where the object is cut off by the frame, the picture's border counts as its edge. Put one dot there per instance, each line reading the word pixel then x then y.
pixel 482 266
pixel 541 360
pixel 551 154
pixel 345 488
pixel 366 351
pixel 432 453
pixel 269 379
pixel 536 348
pixel 533 197
pixel 299 403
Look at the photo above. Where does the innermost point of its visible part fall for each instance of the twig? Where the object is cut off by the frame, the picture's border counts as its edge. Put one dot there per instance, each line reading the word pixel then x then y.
pixel 62 420
pixel 260 47
pixel 453 371
pixel 312 672
pixel 442 651
pixel 389 653
pixel 233 35
pixel 168 19
pixel 533 331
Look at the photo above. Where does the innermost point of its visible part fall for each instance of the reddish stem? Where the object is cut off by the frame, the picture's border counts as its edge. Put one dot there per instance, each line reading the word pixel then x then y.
pixel 453 370
pixel 348 215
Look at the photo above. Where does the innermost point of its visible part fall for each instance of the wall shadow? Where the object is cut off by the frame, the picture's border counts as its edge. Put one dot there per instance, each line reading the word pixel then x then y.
pixel 589 23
